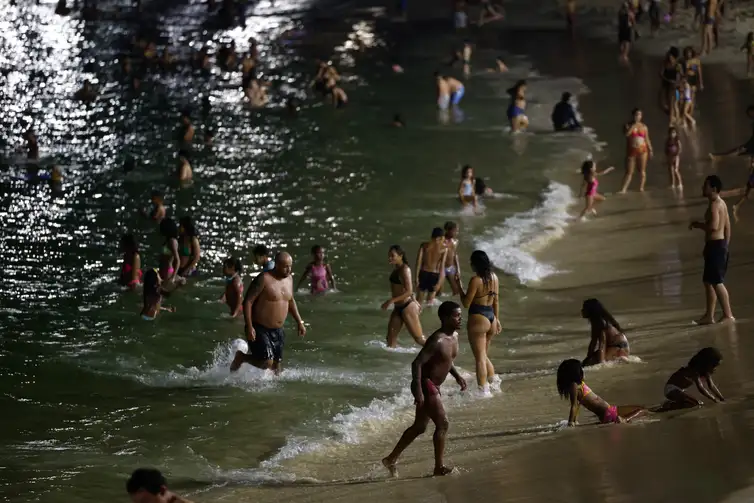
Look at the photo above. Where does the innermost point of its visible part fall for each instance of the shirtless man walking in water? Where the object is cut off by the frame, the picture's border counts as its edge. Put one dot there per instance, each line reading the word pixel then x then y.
pixel 430 267
pixel 716 227
pixel 428 371
pixel 266 306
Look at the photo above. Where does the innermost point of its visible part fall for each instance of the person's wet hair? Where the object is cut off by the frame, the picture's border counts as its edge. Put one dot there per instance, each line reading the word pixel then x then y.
pixel 513 91
pixel 450 225
pixel 400 251
pixel 437 232
pixel 189 229
pixel 128 243
pixel 705 361
pixel 569 372
pixel 151 284
pixel 482 266
pixel 168 228
pixel 261 251
pixel 586 168
pixel 146 479
pixel 447 309
pixel 714 183
pixel 233 263
pixel 594 311
pixel 465 171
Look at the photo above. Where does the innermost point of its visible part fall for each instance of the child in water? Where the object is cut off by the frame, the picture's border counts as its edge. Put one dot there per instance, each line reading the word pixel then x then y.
pixel 749 48
pixel 130 271
pixel 673 156
pixel 467 188
pixel 589 187
pixel 571 385
pixel 153 296
pixel 319 271
pixel 157 212
pixel 699 372
pixel 233 295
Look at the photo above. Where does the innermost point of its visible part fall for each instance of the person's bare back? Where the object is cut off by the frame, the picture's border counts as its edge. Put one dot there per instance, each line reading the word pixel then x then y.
pixel 432 258
pixel 717 210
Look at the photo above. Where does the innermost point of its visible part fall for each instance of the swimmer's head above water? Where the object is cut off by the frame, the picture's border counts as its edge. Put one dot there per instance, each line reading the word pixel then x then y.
pixel 318 254
pixel 450 315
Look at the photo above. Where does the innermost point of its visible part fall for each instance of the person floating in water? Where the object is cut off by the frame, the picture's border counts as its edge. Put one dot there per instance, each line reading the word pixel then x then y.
pixel 153 296
pixel 698 372
pixel 571 386
pixel 589 186
pixel 429 370
pixel 430 266
pixel 233 295
pixel 564 116
pixel 608 342
pixel 130 270
pixel 147 485
pixel 319 271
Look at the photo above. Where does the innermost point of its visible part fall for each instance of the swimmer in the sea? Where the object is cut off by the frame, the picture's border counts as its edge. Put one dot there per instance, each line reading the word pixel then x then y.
pixel 673 156
pixel 563 115
pixel 186 131
pixel 499 66
pixel 189 249
pixel 571 386
pixel 158 211
pixel 233 295
pixel 130 269
pixel 405 308
pixel 589 186
pixel 263 258
pixel 170 258
pixel 517 108
pixel 467 188
pixel 319 271
pixel 452 263
pixel 153 296
pixel 184 173
pixel 147 485
pixel 398 121
pixel 450 91
pixel 430 266
pixel 698 372
pixel 608 342
pixel 429 370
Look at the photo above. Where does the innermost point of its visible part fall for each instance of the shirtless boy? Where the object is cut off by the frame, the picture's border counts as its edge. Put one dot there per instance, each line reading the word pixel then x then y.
pixel 428 371
pixel 716 227
pixel 430 270
pixel 266 306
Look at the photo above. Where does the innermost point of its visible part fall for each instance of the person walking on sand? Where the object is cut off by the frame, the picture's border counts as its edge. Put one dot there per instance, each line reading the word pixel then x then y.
pixel 148 485
pixel 266 306
pixel 716 227
pixel 638 150
pixel 429 370
pixel 430 266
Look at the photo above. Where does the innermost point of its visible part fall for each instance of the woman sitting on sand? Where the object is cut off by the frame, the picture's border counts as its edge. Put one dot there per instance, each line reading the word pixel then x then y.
pixel 608 340
pixel 517 107
pixel 638 150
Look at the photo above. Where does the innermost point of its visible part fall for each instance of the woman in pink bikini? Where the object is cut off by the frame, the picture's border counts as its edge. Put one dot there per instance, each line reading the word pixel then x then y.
pixel 319 272
pixel 571 385
pixel 589 187
pixel 130 271
pixel 638 150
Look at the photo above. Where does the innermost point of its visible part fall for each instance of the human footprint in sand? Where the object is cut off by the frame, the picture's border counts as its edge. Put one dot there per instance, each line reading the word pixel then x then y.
pixel 716 227
pixel 699 372
pixel 428 371
pixel 589 187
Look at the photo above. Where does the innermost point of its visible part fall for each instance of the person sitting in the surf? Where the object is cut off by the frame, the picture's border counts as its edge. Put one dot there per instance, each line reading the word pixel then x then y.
pixel 564 116
pixel 698 372
pixel 608 341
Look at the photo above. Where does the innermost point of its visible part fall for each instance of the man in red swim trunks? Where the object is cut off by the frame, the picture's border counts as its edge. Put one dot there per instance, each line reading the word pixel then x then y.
pixel 429 370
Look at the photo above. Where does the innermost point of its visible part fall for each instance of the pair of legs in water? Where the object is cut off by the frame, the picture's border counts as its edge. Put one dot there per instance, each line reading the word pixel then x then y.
pixel 633 160
pixel 406 314
pixel 481 330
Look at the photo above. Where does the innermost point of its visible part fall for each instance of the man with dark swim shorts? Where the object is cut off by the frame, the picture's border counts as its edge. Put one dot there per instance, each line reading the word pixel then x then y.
pixel 428 371
pixel 266 306
pixel 716 227
pixel 430 266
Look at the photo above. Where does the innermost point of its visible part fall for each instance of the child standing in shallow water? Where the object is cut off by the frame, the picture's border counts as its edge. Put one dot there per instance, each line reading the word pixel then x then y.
pixel 589 187
pixel 699 372
pixel 673 155
pixel 571 385
pixel 233 295
pixel 319 271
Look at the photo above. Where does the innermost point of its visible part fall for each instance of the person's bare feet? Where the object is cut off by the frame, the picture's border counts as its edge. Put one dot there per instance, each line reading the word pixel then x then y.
pixel 237 361
pixel 726 318
pixel 705 320
pixel 390 465
pixel 443 470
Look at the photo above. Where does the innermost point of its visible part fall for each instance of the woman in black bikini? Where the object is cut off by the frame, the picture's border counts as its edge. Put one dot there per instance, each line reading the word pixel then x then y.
pixel 481 298
pixel 405 308
pixel 608 340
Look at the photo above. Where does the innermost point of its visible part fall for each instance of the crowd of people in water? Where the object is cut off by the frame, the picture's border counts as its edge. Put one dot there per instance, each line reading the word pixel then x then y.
pixel 270 299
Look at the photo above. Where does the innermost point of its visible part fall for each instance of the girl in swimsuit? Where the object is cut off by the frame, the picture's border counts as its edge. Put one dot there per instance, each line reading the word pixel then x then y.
pixel 319 271
pixel 233 294
pixel 189 250
pixel 466 189
pixel 170 259
pixel 638 150
pixel 130 271
pixel 571 385
pixel 589 186
pixel 699 372
pixel 685 103
pixel 517 108
pixel 153 296
pixel 405 308
pixel 673 156
pixel 481 299
pixel 692 66
pixel 608 340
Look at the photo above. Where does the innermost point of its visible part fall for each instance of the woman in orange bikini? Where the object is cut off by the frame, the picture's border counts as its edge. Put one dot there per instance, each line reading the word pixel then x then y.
pixel 638 151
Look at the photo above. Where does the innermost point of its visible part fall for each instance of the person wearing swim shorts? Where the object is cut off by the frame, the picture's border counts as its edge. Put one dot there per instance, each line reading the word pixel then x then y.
pixel 717 230
pixel 268 302
pixel 429 370
pixel 571 386
pixel 481 299
pixel 430 269
pixel 638 150
pixel 405 308
pixel 152 304
pixel 608 342
pixel 147 485
pixel 262 258
pixel 697 372
pixel 452 264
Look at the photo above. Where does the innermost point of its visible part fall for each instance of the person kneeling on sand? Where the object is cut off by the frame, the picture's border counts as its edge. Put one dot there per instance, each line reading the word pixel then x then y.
pixel 699 372
pixel 428 371
pixel 571 385
pixel 148 485
pixel 608 340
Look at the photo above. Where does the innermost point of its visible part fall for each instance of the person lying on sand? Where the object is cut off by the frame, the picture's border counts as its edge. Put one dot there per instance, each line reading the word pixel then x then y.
pixel 698 372
pixel 608 340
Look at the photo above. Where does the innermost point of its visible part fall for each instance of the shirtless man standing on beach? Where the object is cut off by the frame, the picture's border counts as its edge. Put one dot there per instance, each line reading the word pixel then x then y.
pixel 430 266
pixel 716 227
pixel 428 371
pixel 266 306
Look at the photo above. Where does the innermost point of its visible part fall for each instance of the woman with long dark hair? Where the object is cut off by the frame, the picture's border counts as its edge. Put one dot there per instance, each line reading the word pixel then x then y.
pixel 405 307
pixel 608 340
pixel 189 250
pixel 481 298
pixel 170 260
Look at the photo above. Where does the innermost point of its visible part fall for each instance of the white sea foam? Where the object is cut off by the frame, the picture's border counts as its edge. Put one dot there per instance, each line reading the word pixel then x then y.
pixel 382 345
pixel 511 245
